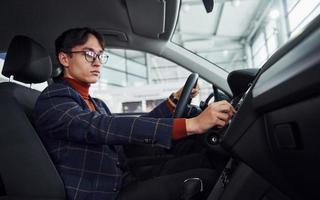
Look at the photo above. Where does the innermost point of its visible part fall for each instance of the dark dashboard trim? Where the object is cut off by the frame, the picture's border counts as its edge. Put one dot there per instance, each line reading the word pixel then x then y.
pixel 293 77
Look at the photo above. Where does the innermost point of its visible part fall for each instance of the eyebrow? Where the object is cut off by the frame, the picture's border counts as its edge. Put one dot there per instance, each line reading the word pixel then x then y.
pixel 90 49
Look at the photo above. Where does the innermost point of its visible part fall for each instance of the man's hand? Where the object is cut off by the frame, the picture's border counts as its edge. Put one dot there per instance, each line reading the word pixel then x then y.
pixel 195 91
pixel 175 96
pixel 216 114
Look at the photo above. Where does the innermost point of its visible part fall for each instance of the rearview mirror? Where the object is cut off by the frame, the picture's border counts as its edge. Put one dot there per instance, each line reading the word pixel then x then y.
pixel 208 4
pixel 239 80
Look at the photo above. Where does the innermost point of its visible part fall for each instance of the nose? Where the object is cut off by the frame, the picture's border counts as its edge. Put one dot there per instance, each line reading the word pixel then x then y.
pixel 96 62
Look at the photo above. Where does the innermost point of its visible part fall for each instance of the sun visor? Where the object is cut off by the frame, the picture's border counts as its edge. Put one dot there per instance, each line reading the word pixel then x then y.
pixel 147 17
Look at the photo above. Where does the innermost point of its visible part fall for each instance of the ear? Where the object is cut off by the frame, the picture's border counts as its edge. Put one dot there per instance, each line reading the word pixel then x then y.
pixel 64 59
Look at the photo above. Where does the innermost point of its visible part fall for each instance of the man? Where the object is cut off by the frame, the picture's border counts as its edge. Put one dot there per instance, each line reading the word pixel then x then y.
pixel 85 141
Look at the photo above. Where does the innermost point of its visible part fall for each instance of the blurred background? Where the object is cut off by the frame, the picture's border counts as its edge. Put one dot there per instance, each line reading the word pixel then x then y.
pixel 238 34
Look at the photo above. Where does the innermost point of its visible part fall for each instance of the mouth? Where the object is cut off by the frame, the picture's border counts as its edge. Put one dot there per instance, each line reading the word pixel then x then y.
pixel 95 73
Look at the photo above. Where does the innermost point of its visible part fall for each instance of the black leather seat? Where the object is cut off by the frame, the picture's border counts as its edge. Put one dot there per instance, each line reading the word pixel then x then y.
pixel 26 169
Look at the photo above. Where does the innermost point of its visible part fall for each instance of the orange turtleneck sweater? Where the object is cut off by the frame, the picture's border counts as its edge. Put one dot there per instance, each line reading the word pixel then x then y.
pixel 179 124
pixel 83 89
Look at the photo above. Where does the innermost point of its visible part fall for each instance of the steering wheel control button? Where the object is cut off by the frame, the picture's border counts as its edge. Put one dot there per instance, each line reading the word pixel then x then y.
pixel 214 139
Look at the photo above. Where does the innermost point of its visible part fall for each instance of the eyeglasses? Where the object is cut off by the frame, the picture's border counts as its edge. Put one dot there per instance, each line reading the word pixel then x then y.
pixel 91 56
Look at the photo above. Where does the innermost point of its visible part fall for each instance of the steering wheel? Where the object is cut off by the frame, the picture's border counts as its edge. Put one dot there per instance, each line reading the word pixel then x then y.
pixel 185 95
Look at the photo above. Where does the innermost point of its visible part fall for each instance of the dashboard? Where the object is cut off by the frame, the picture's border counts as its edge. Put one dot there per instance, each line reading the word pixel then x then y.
pixel 275 130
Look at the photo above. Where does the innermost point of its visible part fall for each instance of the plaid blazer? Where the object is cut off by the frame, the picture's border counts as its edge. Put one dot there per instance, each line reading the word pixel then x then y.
pixel 85 146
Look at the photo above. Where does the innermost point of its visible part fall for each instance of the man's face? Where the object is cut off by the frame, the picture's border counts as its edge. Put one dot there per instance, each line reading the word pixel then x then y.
pixel 77 67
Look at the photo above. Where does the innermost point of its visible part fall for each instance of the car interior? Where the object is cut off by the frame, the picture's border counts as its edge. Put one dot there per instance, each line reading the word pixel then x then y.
pixel 268 151
pixel 21 139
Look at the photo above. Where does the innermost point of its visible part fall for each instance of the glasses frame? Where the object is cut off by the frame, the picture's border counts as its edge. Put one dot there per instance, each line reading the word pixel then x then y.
pixel 92 58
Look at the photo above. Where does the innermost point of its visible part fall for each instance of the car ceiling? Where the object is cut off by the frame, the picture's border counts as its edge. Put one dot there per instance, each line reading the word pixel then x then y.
pixel 44 20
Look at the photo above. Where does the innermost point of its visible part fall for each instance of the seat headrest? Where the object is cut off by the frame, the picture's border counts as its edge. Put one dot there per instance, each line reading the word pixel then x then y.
pixel 27 61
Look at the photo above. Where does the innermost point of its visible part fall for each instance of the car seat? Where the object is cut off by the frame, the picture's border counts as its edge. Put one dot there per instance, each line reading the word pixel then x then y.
pixel 26 169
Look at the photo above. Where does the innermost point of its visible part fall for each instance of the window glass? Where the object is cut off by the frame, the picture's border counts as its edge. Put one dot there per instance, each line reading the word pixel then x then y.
pixel 132 107
pixel 301 12
pixel 137 68
pixel 306 21
pixel 136 81
pixel 116 61
pixel 272 43
pixel 271 28
pixel 260 57
pixel 125 90
pixel 291 4
pixel 241 34
pixel 258 43
pixel 272 37
pixel 113 77
pixel 150 104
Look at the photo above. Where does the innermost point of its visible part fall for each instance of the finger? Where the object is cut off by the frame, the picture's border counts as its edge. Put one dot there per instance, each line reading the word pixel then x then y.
pixel 223 102
pixel 223 116
pixel 233 109
pixel 197 87
pixel 194 92
pixel 220 123
pixel 223 108
pixel 178 93
pixel 230 107
pixel 230 113
pixel 219 103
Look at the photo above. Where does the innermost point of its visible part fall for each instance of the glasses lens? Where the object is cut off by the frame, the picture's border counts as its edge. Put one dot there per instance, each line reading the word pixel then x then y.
pixel 103 57
pixel 90 56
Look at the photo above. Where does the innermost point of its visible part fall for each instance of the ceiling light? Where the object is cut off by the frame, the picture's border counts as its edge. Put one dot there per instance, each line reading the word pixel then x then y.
pixel 274 14
pixel 186 8
pixel 236 3
pixel 225 52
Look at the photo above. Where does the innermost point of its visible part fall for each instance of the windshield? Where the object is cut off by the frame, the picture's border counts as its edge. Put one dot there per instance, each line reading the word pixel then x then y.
pixel 240 34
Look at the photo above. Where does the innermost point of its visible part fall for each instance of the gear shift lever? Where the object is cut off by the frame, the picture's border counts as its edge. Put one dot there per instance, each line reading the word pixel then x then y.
pixel 192 189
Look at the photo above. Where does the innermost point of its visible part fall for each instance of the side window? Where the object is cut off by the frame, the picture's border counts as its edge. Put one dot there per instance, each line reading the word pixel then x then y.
pixel 133 81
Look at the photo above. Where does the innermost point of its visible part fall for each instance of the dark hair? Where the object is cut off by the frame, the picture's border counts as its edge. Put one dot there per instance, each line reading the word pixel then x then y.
pixel 74 37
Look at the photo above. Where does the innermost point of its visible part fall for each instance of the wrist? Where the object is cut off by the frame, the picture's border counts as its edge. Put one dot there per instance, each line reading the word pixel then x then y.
pixel 192 126
pixel 171 105
pixel 176 95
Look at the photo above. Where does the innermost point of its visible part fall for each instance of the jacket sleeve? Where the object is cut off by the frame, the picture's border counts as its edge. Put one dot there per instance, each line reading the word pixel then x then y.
pixel 58 114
